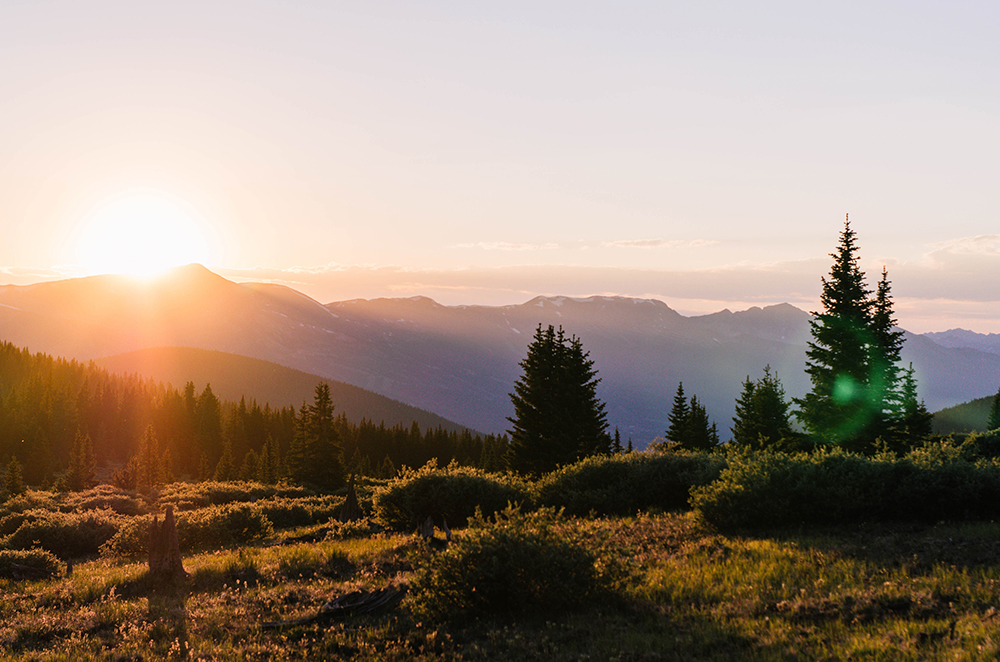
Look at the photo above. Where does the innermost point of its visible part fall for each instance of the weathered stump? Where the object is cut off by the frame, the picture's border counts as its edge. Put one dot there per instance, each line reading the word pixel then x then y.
pixel 351 510
pixel 164 549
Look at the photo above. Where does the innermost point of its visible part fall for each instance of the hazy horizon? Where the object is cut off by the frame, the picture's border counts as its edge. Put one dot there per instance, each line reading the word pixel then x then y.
pixel 527 297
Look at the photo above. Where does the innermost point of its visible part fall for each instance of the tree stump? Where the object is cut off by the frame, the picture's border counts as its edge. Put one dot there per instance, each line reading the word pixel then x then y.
pixel 351 510
pixel 164 549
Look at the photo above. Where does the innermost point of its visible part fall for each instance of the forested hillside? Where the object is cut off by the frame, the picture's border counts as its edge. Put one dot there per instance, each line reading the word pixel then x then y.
pixel 972 416
pixel 47 403
pixel 233 377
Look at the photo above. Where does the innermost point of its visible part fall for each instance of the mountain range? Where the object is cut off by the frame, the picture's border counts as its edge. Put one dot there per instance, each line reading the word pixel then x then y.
pixel 461 362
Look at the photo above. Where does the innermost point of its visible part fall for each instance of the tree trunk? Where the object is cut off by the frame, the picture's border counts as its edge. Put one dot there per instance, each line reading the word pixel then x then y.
pixel 351 510
pixel 164 549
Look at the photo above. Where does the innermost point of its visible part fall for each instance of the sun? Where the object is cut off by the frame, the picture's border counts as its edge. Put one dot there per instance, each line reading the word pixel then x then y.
pixel 140 234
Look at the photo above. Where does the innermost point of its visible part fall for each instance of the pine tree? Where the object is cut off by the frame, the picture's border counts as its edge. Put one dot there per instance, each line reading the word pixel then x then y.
pixel 884 358
pixel 689 425
pixel 266 472
pixel 746 423
pixel 851 359
pixel 993 422
pixel 225 470
pixel 698 434
pixel 297 458
pixel 915 423
pixel 13 481
pixel 148 462
pixel 81 474
pixel 558 418
pixel 167 467
pixel 679 414
pixel 762 417
pixel 204 468
pixel 387 469
pixel 251 466
pixel 315 454
pixel 324 442
pixel 616 444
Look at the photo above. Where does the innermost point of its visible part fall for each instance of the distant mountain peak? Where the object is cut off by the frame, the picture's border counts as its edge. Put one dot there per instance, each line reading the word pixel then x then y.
pixel 963 338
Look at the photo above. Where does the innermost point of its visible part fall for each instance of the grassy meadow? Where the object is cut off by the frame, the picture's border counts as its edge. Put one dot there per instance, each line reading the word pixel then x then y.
pixel 529 583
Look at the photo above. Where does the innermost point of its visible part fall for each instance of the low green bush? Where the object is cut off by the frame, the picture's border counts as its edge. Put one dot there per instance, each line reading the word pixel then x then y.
pixel 207 528
pixel 30 500
pixel 67 535
pixel 625 484
pixel 453 493
pixel 515 564
pixel 932 483
pixel 192 496
pixel 103 497
pixel 38 559
pixel 285 512
pixel 361 528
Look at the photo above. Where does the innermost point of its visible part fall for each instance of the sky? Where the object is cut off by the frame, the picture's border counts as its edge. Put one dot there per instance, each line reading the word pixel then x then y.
pixel 704 154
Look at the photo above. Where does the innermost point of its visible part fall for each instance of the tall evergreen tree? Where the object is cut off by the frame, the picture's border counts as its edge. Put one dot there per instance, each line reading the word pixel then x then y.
pixel 558 417
pixel 837 359
pixel 851 359
pixel 81 474
pixel 745 422
pixel 679 414
pixel 149 461
pixel 884 386
pixel 993 421
pixel 316 455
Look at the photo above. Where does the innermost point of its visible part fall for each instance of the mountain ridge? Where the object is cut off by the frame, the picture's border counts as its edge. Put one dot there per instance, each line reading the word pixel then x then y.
pixel 459 362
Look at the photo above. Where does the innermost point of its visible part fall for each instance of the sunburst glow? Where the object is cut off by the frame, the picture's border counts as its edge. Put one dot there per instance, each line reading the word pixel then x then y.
pixel 141 235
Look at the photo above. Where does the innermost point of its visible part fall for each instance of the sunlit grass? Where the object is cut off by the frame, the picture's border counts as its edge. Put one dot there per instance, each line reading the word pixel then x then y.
pixel 683 593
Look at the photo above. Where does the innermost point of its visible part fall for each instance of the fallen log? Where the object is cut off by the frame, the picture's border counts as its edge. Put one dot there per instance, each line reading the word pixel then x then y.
pixel 345 606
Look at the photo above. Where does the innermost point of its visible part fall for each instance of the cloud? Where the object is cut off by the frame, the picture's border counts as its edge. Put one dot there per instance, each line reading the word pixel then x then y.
pixel 659 243
pixel 984 244
pixel 643 243
pixel 507 246
pixel 30 275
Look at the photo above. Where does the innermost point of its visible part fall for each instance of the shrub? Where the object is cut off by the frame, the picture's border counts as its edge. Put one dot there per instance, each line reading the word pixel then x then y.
pixel 515 564
pixel 103 497
pixel 453 493
pixel 361 528
pixel 207 528
pixel 191 496
pixel 38 559
pixel 30 500
pixel 67 535
pixel 625 484
pixel 285 513
pixel 932 483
